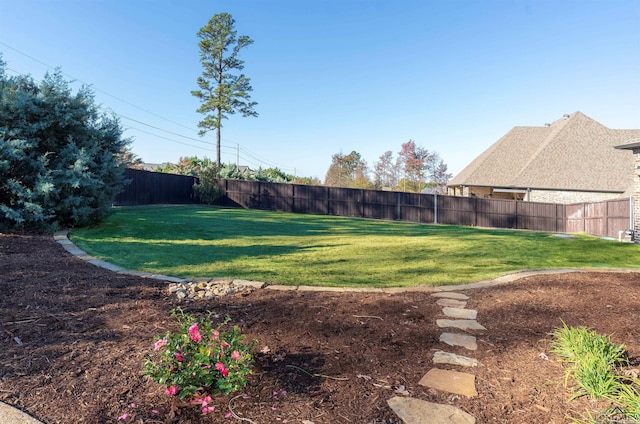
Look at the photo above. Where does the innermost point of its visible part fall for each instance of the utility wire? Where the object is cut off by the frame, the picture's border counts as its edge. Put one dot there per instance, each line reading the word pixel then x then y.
pixel 160 129
pixel 255 156
pixel 95 88
pixel 165 138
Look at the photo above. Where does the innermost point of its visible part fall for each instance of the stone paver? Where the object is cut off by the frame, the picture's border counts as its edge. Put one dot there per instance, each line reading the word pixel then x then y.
pixel 460 312
pixel 451 295
pixel 453 339
pixel 416 411
pixel 442 357
pixel 462 324
pixel 452 303
pixel 460 383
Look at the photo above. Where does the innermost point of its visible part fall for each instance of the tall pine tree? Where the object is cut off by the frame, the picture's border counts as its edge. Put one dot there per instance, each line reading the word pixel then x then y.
pixel 222 92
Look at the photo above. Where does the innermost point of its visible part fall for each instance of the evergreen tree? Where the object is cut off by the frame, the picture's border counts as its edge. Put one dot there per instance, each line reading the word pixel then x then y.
pixel 61 160
pixel 221 92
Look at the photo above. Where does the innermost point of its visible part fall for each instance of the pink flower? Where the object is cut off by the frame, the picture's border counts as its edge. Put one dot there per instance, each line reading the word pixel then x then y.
pixel 235 355
pixel 205 405
pixel 194 333
pixel 172 390
pixel 227 415
pixel 154 411
pixel 223 370
pixel 179 356
pixel 133 405
pixel 123 417
pixel 157 345
pixel 215 334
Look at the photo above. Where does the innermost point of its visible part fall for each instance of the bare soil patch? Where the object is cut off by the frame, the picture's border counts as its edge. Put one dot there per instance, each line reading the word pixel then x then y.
pixel 85 331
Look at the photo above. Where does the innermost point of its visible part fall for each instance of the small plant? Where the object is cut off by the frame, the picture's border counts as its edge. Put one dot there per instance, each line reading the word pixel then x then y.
pixel 200 359
pixel 208 190
pixel 592 359
pixel 594 362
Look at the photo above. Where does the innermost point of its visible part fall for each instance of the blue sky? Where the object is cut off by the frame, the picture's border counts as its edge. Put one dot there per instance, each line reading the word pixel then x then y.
pixel 334 76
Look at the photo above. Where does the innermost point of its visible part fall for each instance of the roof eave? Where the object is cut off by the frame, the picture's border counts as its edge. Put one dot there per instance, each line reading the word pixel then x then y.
pixel 628 146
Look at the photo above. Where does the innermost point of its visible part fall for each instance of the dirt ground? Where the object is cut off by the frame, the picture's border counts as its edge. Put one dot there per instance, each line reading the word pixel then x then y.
pixel 85 331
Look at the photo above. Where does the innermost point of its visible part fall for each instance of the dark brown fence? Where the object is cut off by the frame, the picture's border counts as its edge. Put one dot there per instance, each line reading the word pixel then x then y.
pixel 146 188
pixel 413 207
pixel 603 219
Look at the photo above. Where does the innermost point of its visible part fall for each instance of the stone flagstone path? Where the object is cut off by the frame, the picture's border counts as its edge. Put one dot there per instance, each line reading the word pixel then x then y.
pixel 417 411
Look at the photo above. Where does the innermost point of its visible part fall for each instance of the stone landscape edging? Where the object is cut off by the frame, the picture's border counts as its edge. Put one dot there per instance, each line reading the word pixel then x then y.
pixel 62 237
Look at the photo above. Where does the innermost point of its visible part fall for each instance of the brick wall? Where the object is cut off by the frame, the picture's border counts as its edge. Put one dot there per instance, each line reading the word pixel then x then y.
pixel 636 196
pixel 566 197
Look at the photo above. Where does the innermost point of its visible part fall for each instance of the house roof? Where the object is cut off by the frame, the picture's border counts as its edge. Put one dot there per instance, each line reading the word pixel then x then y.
pixel 573 153
pixel 632 144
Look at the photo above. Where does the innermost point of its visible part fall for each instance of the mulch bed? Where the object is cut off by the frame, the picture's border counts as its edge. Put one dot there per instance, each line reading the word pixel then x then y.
pixel 85 332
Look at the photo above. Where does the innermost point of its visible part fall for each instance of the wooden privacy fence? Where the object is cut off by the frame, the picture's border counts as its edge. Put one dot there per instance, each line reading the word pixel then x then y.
pixel 604 219
pixel 147 188
pixel 413 207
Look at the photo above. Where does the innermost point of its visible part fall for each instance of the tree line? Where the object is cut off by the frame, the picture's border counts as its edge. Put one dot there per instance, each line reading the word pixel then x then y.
pixel 414 169
pixel 197 167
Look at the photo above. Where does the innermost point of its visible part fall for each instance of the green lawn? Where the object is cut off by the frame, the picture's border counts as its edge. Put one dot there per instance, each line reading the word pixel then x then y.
pixel 285 248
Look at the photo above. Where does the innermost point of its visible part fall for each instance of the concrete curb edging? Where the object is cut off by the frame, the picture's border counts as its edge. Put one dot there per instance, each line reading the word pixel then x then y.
pixel 12 415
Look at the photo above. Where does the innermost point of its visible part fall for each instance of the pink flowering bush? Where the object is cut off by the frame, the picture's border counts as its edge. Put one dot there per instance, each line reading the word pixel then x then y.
pixel 200 359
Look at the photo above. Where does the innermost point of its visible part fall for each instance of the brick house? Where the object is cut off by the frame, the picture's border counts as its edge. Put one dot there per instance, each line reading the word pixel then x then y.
pixel 634 146
pixel 568 161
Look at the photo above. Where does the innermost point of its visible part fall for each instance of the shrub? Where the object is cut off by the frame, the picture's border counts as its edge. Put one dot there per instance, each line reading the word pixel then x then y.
pixel 200 359
pixel 61 160
pixel 208 191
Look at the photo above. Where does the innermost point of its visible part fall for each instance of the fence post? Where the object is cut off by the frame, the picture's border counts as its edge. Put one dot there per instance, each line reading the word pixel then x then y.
pixel 435 208
pixel 632 218
pixel 398 210
pixel 606 219
pixel 475 211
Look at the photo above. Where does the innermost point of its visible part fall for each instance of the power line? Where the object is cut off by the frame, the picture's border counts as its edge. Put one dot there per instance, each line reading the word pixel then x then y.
pixel 165 138
pixel 95 88
pixel 237 149
pixel 263 160
pixel 160 129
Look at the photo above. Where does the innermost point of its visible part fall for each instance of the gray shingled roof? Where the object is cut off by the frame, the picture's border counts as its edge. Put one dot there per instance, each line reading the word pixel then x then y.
pixel 573 153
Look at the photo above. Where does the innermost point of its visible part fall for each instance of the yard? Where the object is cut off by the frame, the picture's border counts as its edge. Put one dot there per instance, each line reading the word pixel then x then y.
pixel 295 249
